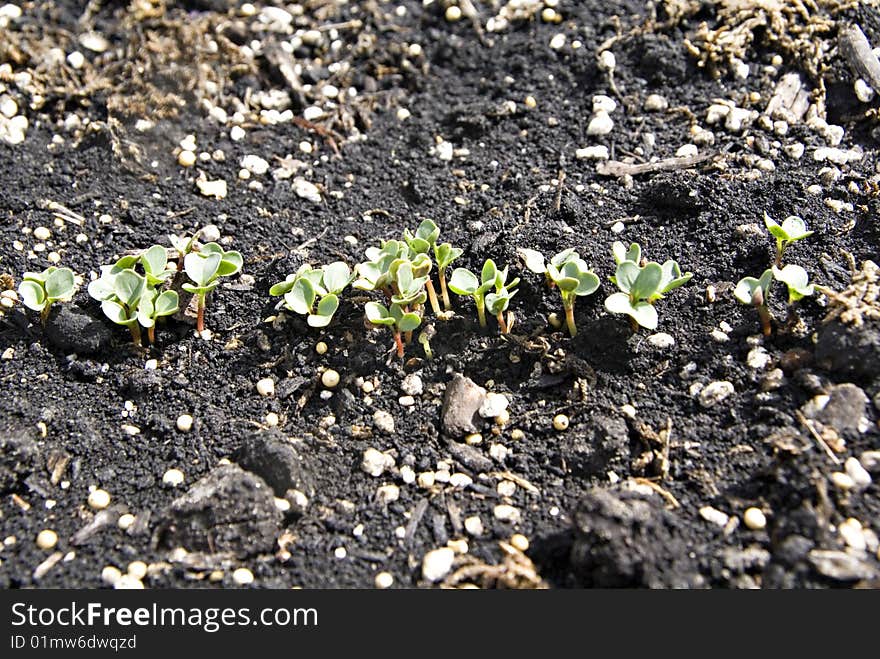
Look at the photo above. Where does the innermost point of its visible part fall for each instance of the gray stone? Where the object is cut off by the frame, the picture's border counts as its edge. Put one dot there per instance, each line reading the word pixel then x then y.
pixel 19 454
pixel 470 457
pixel 793 549
pixel 840 566
pixel 850 351
pixel 600 441
pixel 846 407
pixel 624 540
pixel 230 511
pixel 278 461
pixel 741 560
pixel 461 406
pixel 74 331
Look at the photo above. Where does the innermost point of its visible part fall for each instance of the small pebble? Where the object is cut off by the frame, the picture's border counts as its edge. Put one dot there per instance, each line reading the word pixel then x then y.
pixel 42 233
pixel 661 340
pixel 558 40
pixel 506 513
pixel 99 499
pixel 271 419
pixel 426 479
pixel 453 13
pixel 384 580
pixel 330 378
pixel 184 423
pixel 126 521
pixel 137 569
pixel 242 576
pixel 186 158
pixel 755 519
pixel 375 462
pixel 473 439
pixel 110 575
pixel 437 564
pixel 714 516
pixel 600 124
pixel 47 539
pixel 561 422
pixel 473 525
pixel 859 475
pixel 266 387
pixel 321 348
pixel 519 541
pixel 851 533
pixel 842 481
pixel 172 478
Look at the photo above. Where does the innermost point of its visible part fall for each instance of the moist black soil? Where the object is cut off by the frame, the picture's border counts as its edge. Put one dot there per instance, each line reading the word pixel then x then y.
pixel 613 500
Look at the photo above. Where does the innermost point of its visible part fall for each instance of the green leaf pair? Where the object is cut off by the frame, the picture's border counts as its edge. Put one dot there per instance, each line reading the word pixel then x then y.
pixel 39 290
pixel 791 230
pixel 641 285
pixel 308 285
pixel 568 272
pixel 491 289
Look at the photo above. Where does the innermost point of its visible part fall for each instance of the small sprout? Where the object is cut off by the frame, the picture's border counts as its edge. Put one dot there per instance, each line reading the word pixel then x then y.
pixel 120 292
pixel 154 305
pixel 204 269
pixel 308 285
pixel 796 280
pixel 536 263
pixel 791 230
pixel 425 337
pixel 641 285
pixel 445 254
pixel 39 290
pixel 395 318
pixel 574 279
pixel 183 246
pixel 464 282
pixel 425 238
pixel 756 292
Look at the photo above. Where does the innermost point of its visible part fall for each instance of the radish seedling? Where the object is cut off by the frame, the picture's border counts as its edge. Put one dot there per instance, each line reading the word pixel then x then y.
pixel 204 268
pixel 756 292
pixel 567 272
pixel 308 286
pixel 791 230
pixel 395 318
pixel 641 285
pixel 492 281
pixel 39 290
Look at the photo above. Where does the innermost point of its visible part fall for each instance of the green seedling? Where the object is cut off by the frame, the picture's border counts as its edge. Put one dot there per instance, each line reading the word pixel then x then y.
pixel 375 273
pixel 796 280
pixel 567 272
pixel 183 246
pixel 444 255
pixel 425 337
pixel 204 268
pixel 308 286
pixel 155 304
pixel 535 262
pixel 120 292
pixel 39 290
pixel 756 293
pixel 641 285
pixel 791 230
pixel 492 281
pixel 395 318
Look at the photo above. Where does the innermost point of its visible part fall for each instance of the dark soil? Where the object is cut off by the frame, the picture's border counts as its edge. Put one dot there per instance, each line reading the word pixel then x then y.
pixel 588 520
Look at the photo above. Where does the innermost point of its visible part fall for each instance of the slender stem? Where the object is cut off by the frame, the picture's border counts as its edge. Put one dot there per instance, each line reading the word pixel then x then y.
pixel 200 322
pixel 634 325
pixel 441 275
pixel 399 343
pixel 780 248
pixel 44 314
pixel 427 346
pixel 135 330
pixel 432 296
pixel 481 310
pixel 764 315
pixel 408 337
pixel 569 317
pixel 502 323
pixel 151 335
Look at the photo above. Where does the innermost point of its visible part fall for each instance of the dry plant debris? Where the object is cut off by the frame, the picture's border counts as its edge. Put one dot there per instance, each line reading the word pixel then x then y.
pixel 515 571
pixel 799 29
pixel 860 301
